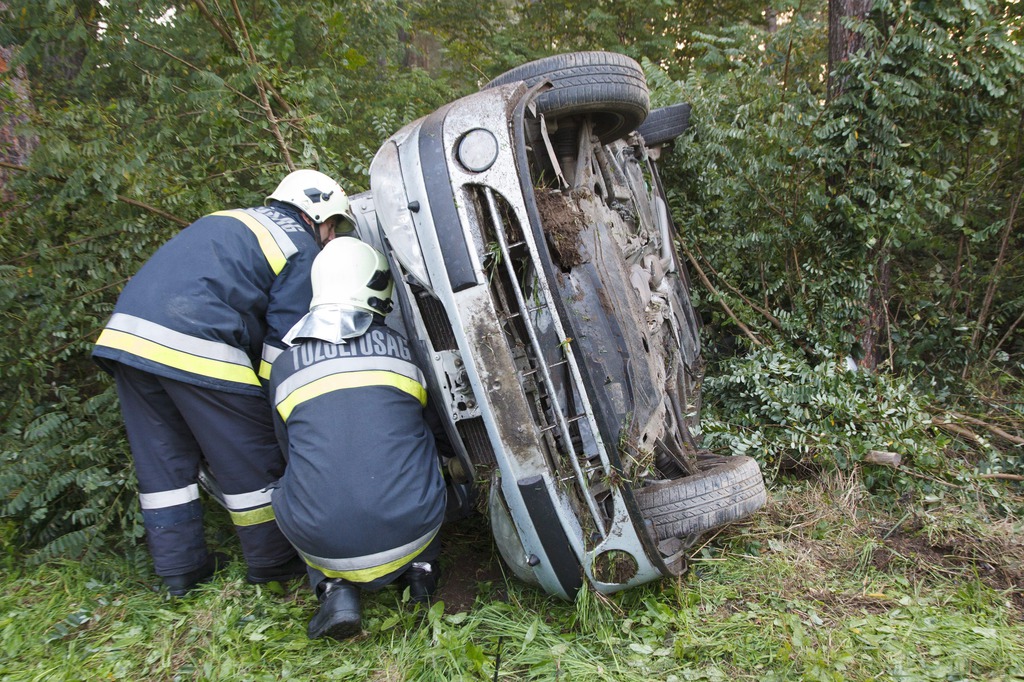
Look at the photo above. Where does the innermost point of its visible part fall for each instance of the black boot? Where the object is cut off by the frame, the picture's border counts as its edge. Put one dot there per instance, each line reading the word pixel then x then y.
pixel 180 585
pixel 289 570
pixel 421 579
pixel 339 615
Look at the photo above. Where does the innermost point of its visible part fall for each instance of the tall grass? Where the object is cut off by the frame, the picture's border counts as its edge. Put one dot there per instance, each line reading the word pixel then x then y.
pixel 800 593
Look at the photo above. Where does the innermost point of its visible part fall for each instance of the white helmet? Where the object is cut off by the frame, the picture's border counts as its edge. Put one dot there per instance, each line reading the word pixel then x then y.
pixel 352 274
pixel 316 195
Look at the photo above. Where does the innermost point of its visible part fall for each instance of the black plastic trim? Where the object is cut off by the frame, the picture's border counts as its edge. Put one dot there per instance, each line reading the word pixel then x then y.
pixel 552 537
pixel 438 185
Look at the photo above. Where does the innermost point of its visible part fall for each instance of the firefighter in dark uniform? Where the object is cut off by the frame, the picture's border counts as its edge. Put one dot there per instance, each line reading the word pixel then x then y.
pixel 362 497
pixel 191 343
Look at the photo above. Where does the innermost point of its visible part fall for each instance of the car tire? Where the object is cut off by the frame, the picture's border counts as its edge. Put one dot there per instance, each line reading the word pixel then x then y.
pixel 665 124
pixel 726 489
pixel 609 86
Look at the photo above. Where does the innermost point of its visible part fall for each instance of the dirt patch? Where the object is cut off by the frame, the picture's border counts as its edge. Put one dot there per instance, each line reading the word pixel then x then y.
pixel 995 560
pixel 470 567
pixel 562 222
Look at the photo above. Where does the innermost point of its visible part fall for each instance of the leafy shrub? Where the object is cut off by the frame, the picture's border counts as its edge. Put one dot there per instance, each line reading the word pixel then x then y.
pixel 777 407
pixel 67 476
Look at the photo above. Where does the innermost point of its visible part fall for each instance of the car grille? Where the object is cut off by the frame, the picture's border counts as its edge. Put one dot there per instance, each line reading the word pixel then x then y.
pixel 548 373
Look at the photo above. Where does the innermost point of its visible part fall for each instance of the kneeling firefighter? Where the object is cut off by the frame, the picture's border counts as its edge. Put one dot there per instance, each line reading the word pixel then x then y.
pixel 362 497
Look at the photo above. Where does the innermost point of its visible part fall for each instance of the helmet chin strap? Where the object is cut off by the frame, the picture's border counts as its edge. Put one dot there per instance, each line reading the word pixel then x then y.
pixel 316 230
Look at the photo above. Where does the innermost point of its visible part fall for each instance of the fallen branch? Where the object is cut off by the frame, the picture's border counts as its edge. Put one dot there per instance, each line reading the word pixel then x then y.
pixel 721 299
pixel 1002 477
pixel 991 428
pixel 1009 437
pixel 957 429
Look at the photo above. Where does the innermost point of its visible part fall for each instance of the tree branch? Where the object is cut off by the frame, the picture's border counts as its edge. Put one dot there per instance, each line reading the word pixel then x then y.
pixel 990 292
pixel 262 86
pixel 721 298
pixel 217 25
pixel 1005 336
pixel 197 69
pixel 230 40
pixel 120 197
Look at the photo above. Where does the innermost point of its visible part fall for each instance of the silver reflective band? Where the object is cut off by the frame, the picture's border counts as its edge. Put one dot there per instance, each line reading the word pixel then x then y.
pixel 256 498
pixel 169 498
pixel 214 350
pixel 284 242
pixel 343 365
pixel 371 560
pixel 270 353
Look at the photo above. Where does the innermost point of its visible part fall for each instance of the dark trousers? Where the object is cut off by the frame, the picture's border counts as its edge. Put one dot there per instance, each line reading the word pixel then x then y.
pixel 171 427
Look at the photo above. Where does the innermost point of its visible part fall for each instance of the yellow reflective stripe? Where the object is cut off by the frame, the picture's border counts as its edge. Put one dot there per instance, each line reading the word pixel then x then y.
pixel 269 355
pixel 252 517
pixel 165 336
pixel 365 575
pixel 150 350
pixel 275 257
pixel 337 382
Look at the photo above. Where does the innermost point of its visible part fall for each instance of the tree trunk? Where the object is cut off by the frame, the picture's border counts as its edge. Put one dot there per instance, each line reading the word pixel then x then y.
pixel 842 44
pixel 15 148
pixel 841 41
pixel 874 321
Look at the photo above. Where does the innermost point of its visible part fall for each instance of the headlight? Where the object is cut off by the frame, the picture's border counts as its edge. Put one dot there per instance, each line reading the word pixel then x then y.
pixel 392 205
pixel 477 150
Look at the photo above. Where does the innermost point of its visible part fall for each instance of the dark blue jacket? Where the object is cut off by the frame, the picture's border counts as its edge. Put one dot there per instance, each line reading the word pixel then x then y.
pixel 363 492
pixel 211 306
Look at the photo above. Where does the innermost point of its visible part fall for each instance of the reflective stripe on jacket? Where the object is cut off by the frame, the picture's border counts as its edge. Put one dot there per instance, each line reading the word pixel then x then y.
pixel 363 492
pixel 211 306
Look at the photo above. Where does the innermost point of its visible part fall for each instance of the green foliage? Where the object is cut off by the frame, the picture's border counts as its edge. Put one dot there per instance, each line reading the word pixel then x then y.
pixel 781 409
pixel 63 482
pixel 790 201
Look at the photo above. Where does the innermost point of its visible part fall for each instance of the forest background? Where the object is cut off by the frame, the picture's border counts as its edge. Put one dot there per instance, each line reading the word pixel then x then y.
pixel 849 191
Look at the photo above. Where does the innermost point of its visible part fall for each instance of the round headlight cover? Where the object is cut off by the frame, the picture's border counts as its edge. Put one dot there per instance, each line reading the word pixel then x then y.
pixel 477 150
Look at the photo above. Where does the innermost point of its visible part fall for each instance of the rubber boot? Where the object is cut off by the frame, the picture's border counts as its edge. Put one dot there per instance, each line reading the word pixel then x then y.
pixel 289 570
pixel 421 578
pixel 340 614
pixel 180 585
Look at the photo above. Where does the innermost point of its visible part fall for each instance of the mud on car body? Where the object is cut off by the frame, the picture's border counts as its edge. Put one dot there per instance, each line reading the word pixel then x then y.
pixel 537 276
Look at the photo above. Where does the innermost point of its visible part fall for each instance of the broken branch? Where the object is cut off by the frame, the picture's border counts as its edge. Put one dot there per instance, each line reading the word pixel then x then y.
pixel 721 299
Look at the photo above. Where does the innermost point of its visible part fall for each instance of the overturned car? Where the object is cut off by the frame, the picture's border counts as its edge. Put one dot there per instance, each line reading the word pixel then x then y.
pixel 537 276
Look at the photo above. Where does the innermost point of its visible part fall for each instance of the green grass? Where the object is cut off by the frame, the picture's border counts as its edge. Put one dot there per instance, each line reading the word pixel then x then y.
pixel 816 587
